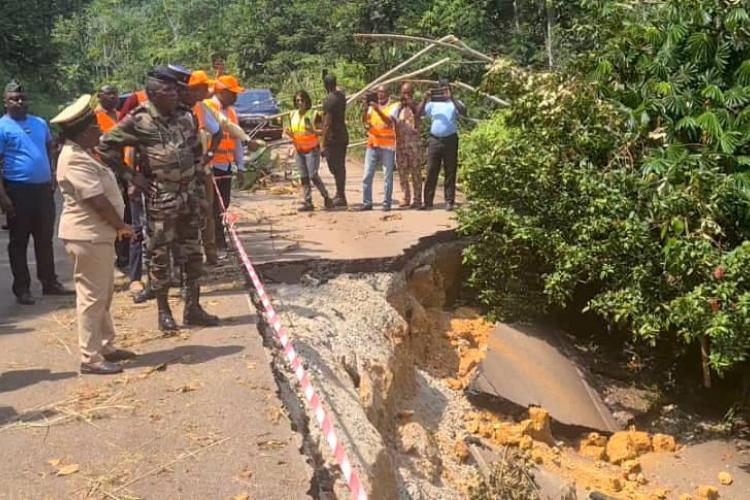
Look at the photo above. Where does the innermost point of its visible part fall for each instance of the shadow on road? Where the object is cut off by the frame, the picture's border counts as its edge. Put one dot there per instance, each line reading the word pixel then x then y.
pixel 185 355
pixel 7 413
pixel 17 379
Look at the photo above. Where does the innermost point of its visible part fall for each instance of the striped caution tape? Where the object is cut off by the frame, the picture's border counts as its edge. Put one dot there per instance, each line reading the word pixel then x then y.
pixel 321 415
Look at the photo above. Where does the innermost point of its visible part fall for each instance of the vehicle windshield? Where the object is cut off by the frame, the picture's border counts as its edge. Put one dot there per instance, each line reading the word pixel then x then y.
pixel 255 97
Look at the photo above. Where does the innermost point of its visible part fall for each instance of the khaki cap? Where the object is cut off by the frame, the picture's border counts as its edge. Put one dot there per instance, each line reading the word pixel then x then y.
pixel 75 113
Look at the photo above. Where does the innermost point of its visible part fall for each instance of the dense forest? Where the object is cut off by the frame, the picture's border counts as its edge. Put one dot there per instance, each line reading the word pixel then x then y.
pixel 68 46
pixel 617 182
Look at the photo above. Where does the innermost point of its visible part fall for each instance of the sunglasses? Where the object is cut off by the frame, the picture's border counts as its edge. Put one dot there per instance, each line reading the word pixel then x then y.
pixel 18 99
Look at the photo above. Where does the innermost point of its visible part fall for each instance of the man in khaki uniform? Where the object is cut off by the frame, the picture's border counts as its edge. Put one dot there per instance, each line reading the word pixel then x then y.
pixel 91 221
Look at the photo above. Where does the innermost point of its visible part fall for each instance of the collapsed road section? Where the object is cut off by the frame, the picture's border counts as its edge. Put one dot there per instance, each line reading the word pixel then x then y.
pixel 399 366
pixel 428 399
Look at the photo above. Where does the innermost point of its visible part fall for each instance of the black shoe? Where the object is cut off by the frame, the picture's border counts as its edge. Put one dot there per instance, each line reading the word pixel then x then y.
pixel 197 316
pixel 386 208
pixel 306 207
pixel 25 299
pixel 365 208
pixel 328 202
pixel 55 288
pixel 144 295
pixel 450 206
pixel 426 207
pixel 101 368
pixel 194 314
pixel 416 205
pixel 166 320
pixel 340 201
pixel 119 355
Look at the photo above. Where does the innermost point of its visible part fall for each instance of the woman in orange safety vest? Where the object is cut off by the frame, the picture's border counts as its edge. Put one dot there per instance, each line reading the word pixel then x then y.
pixel 305 134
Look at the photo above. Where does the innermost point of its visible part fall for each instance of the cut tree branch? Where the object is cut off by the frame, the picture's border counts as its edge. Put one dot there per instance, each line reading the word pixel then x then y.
pixel 395 69
pixel 426 69
pixel 465 86
pixel 458 45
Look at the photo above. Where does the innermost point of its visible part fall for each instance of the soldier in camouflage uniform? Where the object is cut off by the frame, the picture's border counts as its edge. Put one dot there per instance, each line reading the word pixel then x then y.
pixel 167 142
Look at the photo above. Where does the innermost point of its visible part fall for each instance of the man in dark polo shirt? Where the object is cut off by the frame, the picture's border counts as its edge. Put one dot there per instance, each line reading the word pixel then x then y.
pixel 27 193
pixel 335 137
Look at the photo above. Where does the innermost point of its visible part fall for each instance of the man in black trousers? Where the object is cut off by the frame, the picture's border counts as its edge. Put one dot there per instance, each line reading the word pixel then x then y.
pixel 27 193
pixel 442 146
pixel 335 137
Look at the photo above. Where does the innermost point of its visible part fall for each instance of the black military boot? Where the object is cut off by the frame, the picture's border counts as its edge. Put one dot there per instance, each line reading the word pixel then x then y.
pixel 166 320
pixel 194 314
pixel 144 295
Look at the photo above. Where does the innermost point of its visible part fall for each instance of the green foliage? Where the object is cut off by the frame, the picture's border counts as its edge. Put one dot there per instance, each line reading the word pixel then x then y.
pixel 625 179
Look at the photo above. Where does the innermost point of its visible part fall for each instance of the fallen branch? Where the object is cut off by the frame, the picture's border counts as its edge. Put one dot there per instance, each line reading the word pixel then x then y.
pixel 396 68
pixel 426 69
pixel 160 468
pixel 465 86
pixel 458 45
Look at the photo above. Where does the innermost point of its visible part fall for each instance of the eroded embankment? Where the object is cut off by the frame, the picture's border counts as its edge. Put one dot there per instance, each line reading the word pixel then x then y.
pixel 390 355
pixel 363 340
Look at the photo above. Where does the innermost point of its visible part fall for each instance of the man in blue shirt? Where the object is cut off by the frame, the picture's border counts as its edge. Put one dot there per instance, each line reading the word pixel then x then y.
pixel 442 146
pixel 27 194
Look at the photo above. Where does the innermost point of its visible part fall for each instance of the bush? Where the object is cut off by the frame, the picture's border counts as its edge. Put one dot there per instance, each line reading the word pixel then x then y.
pixel 627 175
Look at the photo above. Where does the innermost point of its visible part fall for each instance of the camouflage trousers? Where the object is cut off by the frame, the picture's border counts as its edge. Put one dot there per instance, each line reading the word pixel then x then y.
pixel 409 166
pixel 208 231
pixel 174 223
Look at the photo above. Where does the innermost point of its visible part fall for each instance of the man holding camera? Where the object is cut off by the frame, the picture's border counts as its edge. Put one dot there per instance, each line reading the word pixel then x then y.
pixel 381 144
pixel 442 146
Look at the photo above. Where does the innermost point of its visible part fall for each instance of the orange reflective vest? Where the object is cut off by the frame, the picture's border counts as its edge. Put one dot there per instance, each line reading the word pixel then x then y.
pixel 305 139
pixel 225 152
pixel 104 119
pixel 381 135
pixel 128 153
pixel 199 113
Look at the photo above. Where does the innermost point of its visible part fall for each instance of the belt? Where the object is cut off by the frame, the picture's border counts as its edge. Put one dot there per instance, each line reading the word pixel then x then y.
pixel 27 185
pixel 444 137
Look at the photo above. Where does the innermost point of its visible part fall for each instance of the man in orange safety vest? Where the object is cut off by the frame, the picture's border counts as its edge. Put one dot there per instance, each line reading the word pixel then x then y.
pixel 230 151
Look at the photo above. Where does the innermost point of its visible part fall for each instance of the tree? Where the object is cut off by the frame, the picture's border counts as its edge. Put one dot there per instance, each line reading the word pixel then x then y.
pixel 624 178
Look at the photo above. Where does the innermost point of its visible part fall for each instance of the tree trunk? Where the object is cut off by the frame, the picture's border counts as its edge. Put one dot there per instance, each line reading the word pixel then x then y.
pixel 705 350
pixel 516 21
pixel 549 8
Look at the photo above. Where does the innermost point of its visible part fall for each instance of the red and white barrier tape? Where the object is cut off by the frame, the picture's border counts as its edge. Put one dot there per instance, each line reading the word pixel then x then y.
pixel 323 418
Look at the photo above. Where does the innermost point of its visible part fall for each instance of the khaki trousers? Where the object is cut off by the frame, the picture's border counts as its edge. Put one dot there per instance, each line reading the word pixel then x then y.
pixel 94 275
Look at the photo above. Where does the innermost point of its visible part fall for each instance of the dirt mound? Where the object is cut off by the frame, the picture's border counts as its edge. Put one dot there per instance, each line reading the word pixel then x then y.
pixel 627 446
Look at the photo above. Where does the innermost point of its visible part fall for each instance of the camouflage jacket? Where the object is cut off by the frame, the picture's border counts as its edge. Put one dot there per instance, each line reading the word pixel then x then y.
pixel 168 148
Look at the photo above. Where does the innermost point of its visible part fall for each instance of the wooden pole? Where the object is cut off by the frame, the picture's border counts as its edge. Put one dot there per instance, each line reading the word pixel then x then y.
pixel 405 38
pixel 395 69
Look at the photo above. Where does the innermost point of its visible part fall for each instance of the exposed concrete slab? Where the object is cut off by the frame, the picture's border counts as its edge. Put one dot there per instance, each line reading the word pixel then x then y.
pixel 528 365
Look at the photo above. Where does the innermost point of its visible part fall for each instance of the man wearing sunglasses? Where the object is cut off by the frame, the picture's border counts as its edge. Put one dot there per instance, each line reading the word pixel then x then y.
pixel 27 193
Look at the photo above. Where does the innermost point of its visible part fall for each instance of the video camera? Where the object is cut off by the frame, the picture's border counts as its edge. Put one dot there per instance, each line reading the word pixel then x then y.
pixel 371 98
pixel 439 94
